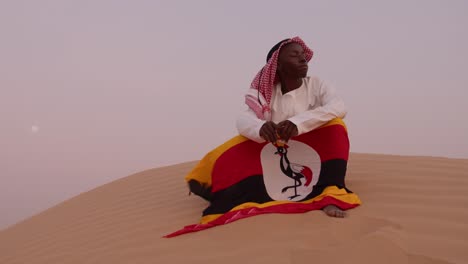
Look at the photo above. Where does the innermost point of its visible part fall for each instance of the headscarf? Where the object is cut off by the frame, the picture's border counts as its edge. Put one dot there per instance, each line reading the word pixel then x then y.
pixel 258 97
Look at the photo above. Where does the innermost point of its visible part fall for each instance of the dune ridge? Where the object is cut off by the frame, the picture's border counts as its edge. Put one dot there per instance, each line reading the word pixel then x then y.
pixel 413 211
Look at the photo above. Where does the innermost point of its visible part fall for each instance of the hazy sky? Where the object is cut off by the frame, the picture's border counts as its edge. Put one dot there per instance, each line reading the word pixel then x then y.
pixel 92 91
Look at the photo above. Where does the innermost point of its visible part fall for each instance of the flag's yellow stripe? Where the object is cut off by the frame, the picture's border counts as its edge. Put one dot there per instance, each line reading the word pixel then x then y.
pixel 336 121
pixel 202 172
pixel 331 191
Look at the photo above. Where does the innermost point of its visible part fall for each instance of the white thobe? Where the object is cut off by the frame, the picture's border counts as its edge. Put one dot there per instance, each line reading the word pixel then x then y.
pixel 311 105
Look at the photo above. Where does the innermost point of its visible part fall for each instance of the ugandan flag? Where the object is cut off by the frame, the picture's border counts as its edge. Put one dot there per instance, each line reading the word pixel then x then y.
pixel 243 178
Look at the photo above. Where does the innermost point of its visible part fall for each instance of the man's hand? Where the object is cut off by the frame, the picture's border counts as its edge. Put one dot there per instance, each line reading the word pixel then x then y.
pixel 287 130
pixel 268 131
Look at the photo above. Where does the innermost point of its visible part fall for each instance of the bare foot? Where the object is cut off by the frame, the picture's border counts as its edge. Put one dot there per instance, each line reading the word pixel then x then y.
pixel 332 210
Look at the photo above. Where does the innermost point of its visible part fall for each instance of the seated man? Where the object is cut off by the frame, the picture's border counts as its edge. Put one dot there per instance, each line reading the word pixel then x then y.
pixel 284 102
pixel 292 152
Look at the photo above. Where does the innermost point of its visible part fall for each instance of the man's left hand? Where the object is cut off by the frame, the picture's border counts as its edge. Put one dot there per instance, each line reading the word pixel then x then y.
pixel 287 130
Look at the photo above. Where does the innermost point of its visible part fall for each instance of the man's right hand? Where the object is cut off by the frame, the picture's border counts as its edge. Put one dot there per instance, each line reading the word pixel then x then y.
pixel 268 131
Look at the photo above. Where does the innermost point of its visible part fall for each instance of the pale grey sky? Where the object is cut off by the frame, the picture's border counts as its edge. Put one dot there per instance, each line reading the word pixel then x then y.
pixel 91 91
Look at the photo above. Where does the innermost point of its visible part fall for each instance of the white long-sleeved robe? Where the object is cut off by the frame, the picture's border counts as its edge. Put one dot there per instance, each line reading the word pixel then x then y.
pixel 308 107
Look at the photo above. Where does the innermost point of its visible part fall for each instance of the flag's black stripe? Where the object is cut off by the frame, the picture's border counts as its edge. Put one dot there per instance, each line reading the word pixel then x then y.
pixel 200 190
pixel 252 189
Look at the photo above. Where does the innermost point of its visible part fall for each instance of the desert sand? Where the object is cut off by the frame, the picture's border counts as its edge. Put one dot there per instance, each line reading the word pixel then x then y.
pixel 414 211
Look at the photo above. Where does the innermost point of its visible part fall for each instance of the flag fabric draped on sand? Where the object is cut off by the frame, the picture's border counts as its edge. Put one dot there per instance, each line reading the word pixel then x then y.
pixel 243 178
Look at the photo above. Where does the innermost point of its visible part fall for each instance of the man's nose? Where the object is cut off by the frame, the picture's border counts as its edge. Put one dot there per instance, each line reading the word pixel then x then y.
pixel 302 58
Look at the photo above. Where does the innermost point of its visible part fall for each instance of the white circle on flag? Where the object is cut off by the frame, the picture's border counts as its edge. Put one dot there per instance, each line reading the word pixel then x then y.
pixel 290 176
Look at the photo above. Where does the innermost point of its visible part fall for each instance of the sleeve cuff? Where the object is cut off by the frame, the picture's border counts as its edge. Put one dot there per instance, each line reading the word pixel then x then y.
pixel 257 131
pixel 300 128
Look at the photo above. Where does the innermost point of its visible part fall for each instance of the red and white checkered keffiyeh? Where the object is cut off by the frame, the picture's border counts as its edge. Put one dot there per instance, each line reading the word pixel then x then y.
pixel 258 97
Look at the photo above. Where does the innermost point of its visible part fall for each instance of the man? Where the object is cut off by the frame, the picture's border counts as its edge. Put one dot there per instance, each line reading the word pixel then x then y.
pixel 292 152
pixel 284 102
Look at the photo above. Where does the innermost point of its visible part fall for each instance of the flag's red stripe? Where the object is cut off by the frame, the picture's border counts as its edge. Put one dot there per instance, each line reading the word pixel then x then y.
pixel 236 164
pixel 289 208
pixel 330 142
pixel 243 160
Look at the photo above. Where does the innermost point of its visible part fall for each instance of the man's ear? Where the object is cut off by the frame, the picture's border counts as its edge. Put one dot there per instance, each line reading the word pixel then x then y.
pixel 279 66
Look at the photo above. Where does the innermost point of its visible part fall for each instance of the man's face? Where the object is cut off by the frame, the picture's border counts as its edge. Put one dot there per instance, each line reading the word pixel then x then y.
pixel 292 62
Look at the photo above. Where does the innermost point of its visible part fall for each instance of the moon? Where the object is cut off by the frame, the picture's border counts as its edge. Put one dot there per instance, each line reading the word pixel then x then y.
pixel 34 129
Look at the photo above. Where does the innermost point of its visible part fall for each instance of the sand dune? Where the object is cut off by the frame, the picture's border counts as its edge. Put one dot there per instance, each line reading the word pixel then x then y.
pixel 414 211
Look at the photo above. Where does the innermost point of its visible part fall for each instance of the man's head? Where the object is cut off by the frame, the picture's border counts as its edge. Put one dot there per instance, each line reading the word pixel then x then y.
pixel 286 60
pixel 292 62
